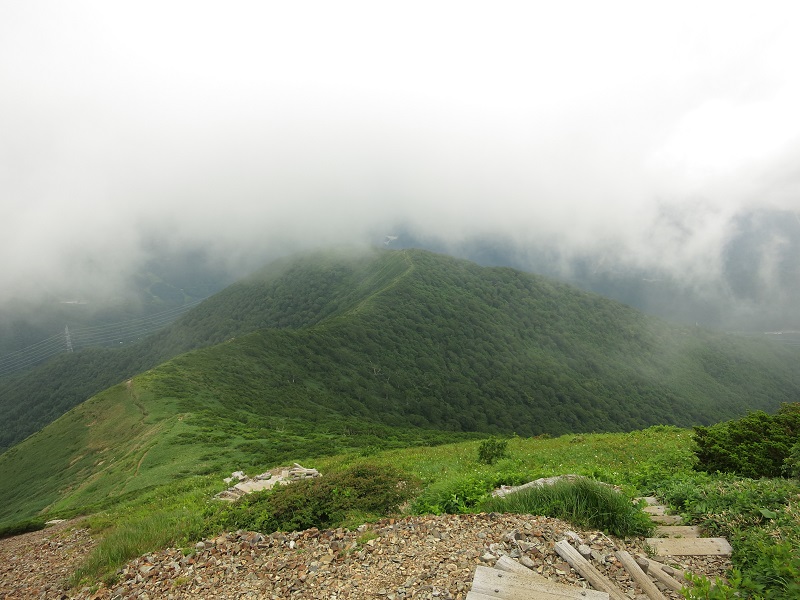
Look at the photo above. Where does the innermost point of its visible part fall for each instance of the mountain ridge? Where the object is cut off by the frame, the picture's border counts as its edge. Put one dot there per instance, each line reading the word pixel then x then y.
pixel 388 349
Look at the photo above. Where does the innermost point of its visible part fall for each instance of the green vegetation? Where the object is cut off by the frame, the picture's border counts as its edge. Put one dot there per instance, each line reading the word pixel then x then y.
pixel 380 351
pixel 169 516
pixel 398 366
pixel 760 517
pixel 583 502
pixel 439 343
pixel 757 445
pixel 492 450
pixel 355 489
pixel 292 294
pixel 360 493
pixel 21 527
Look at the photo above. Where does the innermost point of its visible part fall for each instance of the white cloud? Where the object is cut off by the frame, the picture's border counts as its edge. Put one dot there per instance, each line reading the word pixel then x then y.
pixel 255 125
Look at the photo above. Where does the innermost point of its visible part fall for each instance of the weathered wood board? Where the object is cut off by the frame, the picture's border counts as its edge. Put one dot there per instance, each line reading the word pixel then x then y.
pixel 666 519
pixel 655 509
pixel 678 531
pixel 588 571
pixel 513 586
pixel 690 546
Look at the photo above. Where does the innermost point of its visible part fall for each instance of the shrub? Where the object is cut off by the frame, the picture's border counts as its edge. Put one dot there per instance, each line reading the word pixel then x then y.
pixel 21 527
pixel 760 517
pixel 791 464
pixel 583 502
pixel 492 450
pixel 453 497
pixel 458 495
pixel 361 491
pixel 754 446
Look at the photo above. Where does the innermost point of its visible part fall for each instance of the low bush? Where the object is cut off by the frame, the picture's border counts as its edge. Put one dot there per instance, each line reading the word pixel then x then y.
pixel 458 495
pixel 756 445
pixel 452 497
pixel 583 502
pixel 337 499
pixel 791 464
pixel 21 527
pixel 492 450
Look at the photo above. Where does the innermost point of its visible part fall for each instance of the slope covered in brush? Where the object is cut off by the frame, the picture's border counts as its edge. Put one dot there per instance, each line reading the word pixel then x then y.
pixel 288 293
pixel 411 345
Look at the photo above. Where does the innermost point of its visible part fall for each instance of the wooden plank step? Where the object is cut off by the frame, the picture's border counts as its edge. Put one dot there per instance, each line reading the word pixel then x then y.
pixel 494 583
pixel 690 546
pixel 675 583
pixel 655 509
pixel 678 531
pixel 595 578
pixel 666 519
pixel 508 564
pixel 639 576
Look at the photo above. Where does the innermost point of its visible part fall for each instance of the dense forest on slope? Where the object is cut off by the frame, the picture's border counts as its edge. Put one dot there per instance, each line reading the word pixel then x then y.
pixel 448 337
pixel 391 349
pixel 453 346
pixel 293 293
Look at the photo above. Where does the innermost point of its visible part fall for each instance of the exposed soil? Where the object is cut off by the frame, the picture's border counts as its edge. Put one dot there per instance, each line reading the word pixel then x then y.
pixel 416 557
pixel 37 564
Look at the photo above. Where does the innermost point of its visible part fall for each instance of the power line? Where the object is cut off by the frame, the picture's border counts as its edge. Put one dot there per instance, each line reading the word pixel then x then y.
pixel 93 336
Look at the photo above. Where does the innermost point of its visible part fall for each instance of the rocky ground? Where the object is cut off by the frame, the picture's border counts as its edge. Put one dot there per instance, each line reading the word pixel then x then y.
pixel 415 557
pixel 37 564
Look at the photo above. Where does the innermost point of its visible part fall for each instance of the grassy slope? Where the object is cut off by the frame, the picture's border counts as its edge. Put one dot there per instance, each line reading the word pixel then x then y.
pixel 414 344
pixel 286 294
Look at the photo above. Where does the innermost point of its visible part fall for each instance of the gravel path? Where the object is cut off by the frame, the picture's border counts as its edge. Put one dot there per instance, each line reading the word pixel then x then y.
pixel 416 557
pixel 37 564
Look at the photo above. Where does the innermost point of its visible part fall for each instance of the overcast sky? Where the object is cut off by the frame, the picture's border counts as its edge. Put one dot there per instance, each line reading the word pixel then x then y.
pixel 636 129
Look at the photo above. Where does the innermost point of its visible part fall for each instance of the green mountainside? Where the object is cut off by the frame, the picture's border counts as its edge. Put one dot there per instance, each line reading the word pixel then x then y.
pixel 287 293
pixel 377 350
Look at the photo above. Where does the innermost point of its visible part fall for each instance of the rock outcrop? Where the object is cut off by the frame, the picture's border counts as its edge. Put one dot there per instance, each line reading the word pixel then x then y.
pixel 264 481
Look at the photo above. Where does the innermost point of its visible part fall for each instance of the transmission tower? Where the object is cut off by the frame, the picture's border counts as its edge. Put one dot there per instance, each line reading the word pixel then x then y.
pixel 68 338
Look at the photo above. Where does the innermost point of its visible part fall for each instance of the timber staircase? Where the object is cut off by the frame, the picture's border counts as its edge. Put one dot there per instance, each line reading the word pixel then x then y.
pixel 509 580
pixel 681 540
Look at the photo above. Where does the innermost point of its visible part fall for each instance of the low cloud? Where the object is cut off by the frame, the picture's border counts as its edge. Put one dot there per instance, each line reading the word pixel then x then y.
pixel 640 135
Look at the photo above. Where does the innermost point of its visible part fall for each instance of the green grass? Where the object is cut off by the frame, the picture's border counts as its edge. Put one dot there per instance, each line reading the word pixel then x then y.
pixel 391 350
pixel 760 517
pixel 183 511
pixel 583 502
pixel 169 516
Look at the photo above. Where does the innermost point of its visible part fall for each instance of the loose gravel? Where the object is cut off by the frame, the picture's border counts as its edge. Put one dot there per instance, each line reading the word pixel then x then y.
pixel 423 557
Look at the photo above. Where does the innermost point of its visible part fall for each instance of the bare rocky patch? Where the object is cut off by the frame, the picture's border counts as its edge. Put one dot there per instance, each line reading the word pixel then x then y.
pixel 423 557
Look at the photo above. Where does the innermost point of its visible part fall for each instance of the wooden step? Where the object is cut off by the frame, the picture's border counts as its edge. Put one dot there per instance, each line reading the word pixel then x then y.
pixel 690 546
pixel 493 583
pixel 666 519
pixel 678 531
pixel 655 509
